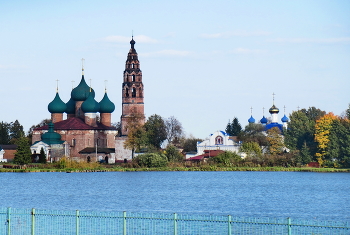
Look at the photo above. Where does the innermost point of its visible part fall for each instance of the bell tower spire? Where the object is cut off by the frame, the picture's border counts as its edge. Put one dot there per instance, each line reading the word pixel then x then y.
pixel 132 90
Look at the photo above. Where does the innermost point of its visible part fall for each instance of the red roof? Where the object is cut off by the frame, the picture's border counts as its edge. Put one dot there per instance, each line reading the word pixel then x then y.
pixel 207 154
pixel 76 123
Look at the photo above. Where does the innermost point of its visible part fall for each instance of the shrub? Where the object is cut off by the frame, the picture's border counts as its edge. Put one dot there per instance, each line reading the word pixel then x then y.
pixel 151 160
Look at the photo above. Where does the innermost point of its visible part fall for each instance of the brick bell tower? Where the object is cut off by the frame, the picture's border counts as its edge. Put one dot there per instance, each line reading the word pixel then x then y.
pixel 132 94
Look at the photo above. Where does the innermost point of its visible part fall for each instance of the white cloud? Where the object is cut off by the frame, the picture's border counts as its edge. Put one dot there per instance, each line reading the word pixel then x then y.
pixel 247 51
pixel 123 39
pixel 310 40
pixel 238 33
pixel 167 53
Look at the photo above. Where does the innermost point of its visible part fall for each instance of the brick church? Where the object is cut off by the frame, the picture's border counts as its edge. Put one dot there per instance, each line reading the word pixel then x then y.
pixel 87 134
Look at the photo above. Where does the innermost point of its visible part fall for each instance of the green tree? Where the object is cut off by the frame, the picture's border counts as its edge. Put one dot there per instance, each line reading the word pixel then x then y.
pixel 275 139
pixel 23 154
pixel 305 156
pixel 16 131
pixel 151 160
pixel 155 131
pixel 234 128
pixel 42 156
pixel 173 154
pixel 226 158
pixel 4 133
pixel 253 132
pixel 252 149
pixel 189 144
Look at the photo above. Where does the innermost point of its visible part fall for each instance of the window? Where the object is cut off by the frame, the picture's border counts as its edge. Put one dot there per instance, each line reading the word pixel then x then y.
pixel 133 78
pixel 133 92
pixel 219 140
pixel 73 142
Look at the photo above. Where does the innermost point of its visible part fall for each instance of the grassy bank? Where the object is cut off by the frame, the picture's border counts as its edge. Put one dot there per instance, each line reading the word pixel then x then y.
pixel 110 168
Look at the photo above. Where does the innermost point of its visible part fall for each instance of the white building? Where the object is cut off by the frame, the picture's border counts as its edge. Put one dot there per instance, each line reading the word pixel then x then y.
pixel 220 140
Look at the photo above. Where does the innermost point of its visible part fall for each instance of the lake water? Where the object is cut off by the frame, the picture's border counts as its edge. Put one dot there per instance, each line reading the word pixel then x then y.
pixel 305 195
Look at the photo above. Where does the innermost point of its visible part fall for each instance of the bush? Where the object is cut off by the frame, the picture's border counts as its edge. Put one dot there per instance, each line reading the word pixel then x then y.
pixel 151 160
pixel 226 158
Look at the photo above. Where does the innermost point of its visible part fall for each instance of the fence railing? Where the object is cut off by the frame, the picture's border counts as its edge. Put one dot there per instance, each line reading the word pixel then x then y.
pixel 42 222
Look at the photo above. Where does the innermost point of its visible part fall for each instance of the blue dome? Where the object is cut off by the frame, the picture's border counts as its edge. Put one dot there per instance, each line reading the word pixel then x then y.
pixel 263 120
pixel 285 119
pixel 82 91
pixel 90 105
pixel 106 106
pixel 251 119
pixel 57 105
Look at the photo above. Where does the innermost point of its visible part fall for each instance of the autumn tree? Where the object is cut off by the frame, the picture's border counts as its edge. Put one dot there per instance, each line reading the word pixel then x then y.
pixel 275 140
pixel 23 153
pixel 323 129
pixel 136 133
pixel 174 129
pixel 252 149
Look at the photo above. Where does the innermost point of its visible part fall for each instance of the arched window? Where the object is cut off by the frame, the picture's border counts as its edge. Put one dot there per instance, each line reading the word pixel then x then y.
pixel 219 140
pixel 127 92
pixel 133 92
pixel 73 142
pixel 132 65
pixel 140 92
pixel 133 78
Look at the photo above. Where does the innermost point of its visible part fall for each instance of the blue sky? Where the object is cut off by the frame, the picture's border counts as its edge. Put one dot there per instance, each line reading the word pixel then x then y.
pixel 203 62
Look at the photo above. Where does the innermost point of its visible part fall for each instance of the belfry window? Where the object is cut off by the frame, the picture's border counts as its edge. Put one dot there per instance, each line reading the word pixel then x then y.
pixel 133 92
pixel 132 65
pixel 127 92
pixel 133 78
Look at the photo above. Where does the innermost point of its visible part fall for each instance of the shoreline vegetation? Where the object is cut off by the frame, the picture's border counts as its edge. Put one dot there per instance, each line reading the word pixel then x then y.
pixel 119 168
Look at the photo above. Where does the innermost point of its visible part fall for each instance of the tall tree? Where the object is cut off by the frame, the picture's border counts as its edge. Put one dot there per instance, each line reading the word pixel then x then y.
pixel 4 133
pixel 155 131
pixel 275 139
pixel 322 137
pixel 23 153
pixel 173 129
pixel 136 133
pixel 189 144
pixel 16 131
pixel 42 156
pixel 234 128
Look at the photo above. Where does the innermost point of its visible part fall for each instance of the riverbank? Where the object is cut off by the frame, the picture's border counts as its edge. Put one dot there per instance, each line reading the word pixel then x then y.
pixel 200 168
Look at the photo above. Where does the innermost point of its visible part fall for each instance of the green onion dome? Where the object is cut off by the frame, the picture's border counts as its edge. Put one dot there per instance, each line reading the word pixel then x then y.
pixel 106 106
pixel 70 106
pixel 57 105
pixel 90 105
pixel 82 91
pixel 274 109
pixel 51 137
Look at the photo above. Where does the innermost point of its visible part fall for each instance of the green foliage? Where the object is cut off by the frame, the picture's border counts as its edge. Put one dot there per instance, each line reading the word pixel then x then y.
pixel 151 160
pixel 251 149
pixel 4 133
pixel 226 158
pixel 155 131
pixel 233 128
pixel 253 133
pixel 23 154
pixel 173 154
pixel 42 156
pixel 16 131
pixel 189 144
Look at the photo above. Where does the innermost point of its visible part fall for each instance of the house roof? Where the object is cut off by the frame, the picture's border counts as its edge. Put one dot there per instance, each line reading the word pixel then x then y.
pixel 207 154
pixel 76 123
pixel 99 150
pixel 8 146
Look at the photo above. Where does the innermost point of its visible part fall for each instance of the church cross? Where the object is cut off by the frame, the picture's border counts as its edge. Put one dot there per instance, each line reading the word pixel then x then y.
pixel 106 85
pixel 57 85
pixel 251 110
pixel 273 97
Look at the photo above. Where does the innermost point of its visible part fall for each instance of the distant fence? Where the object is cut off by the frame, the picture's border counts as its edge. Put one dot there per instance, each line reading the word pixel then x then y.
pixel 43 222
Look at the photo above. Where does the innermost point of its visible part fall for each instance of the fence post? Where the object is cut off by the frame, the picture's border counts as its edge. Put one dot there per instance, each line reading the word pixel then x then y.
pixel 33 221
pixel 9 221
pixel 289 226
pixel 77 222
pixel 229 225
pixel 124 222
pixel 175 224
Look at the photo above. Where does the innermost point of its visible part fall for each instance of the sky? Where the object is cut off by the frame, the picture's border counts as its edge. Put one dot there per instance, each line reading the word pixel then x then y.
pixel 203 62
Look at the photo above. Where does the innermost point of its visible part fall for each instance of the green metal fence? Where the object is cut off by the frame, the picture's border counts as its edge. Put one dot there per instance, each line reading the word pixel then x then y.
pixel 43 222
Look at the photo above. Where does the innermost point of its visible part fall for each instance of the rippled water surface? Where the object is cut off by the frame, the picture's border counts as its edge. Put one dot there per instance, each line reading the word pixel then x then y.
pixel 321 196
